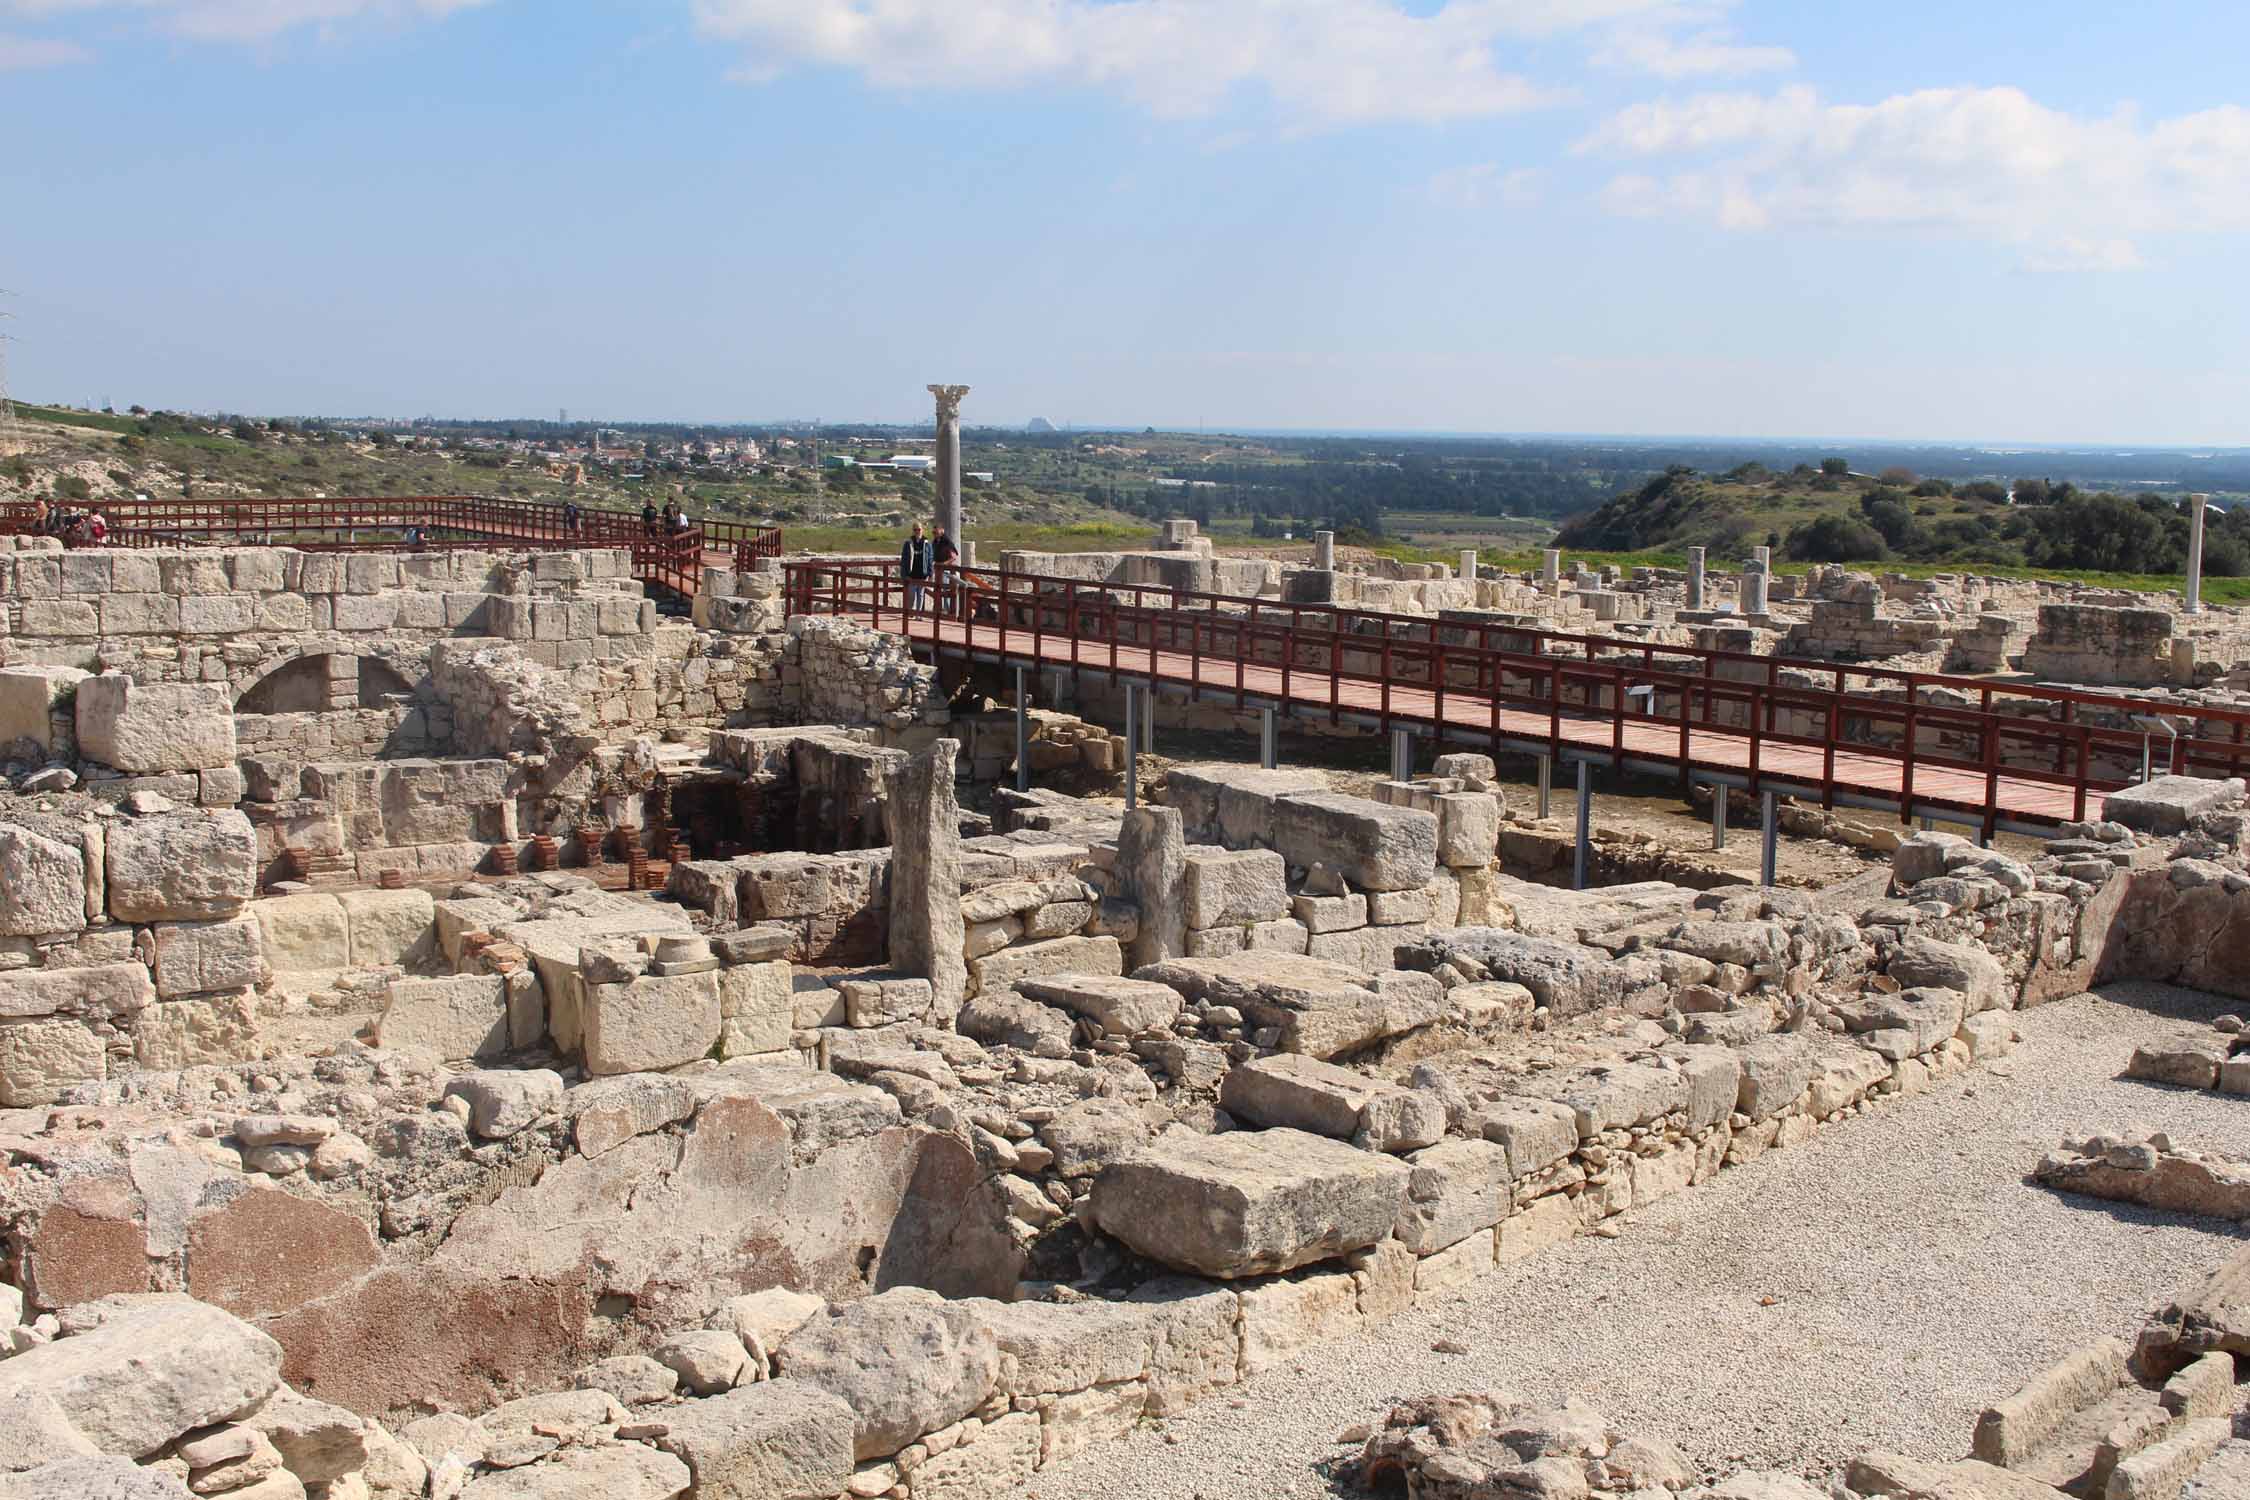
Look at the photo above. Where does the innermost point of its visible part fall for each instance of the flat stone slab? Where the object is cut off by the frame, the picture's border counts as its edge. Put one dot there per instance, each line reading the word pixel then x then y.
pixel 1248 1203
pixel 2167 804
pixel 1373 846
pixel 1119 1006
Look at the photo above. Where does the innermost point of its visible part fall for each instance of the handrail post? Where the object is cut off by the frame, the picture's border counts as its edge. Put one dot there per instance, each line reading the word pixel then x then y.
pixel 1828 756
pixel 1906 765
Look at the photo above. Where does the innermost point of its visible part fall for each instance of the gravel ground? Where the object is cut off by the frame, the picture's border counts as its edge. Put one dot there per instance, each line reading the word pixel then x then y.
pixel 1914 1277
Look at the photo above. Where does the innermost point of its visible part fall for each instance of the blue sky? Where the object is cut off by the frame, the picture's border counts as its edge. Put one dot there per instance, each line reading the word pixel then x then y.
pixel 1900 219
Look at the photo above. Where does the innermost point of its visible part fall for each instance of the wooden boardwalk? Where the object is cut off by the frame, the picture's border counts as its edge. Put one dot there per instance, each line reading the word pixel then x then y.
pixel 1847 775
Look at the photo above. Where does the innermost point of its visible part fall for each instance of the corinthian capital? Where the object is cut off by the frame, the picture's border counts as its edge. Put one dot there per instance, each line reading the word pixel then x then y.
pixel 948 400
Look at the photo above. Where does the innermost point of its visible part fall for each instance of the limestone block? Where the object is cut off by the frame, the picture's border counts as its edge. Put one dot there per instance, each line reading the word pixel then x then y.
pixel 42 884
pixel 389 927
pixel 1235 887
pixel 1150 870
pixel 1551 1220
pixel 906 1362
pixel 1248 1202
pixel 755 1004
pixel 461 1017
pixel 193 957
pixel 1775 1071
pixel 40 1059
pixel 303 934
pixel 1284 935
pixel 2191 1062
pixel 139 614
pixel 1922 961
pixel 1456 1265
pixel 156 1367
pixel 1298 1093
pixel 2165 805
pixel 1398 908
pixel 34 1431
pixel 1536 1133
pixel 1468 829
pixel 654 1022
pixel 884 999
pixel 154 727
pixel 31 697
pixel 95 992
pixel 1322 914
pixel 1456 1188
pixel 611 1471
pixel 1088 1419
pixel 1069 955
pixel 1374 847
pixel 60 617
pixel 180 866
pixel 998 1460
pixel 101 1478
pixel 1283 1317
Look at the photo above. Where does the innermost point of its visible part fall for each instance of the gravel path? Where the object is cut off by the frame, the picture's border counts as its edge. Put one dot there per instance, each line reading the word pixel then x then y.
pixel 1916 1277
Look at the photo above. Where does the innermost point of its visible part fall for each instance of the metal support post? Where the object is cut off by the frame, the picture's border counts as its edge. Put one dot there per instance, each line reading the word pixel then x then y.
pixel 1132 748
pixel 1023 733
pixel 1148 717
pixel 1583 853
pixel 1546 783
pixel 1402 755
pixel 1269 739
pixel 1772 840
pixel 1718 816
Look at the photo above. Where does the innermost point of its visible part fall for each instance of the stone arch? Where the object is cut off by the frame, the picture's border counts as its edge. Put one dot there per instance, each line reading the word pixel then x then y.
pixel 322 682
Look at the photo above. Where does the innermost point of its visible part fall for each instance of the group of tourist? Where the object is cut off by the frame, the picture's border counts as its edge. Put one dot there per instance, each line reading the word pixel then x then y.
pixel 77 528
pixel 925 560
pixel 671 521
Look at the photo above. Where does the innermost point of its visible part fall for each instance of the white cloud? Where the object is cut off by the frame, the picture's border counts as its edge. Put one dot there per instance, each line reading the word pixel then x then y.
pixel 239 20
pixel 1687 41
pixel 2071 191
pixel 1478 183
pixel 1322 62
pixel 21 53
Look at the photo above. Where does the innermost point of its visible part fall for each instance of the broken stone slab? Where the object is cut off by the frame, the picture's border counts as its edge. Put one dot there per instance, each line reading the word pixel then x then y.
pixel 608 1112
pixel 94 1479
pixel 1121 1007
pixel 2186 1062
pixel 1233 805
pixel 1536 1133
pixel 95 992
pixel 608 1471
pixel 1374 846
pixel 1321 1009
pixel 1303 1093
pixel 2164 805
pixel 781 1439
pixel 35 1431
pixel 153 1367
pixel 925 879
pixel 202 957
pixel 1151 873
pixel 1775 1071
pixel 1567 978
pixel 1067 955
pixel 2010 1431
pixel 1249 1202
pixel 906 1362
pixel 1235 887
pixel 319 1442
pixel 503 1103
pixel 1906 1023
pixel 1923 962
pixel 2210 1315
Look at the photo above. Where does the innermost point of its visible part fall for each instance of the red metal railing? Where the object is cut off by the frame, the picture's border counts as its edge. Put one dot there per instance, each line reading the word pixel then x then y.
pixel 673 560
pixel 2020 752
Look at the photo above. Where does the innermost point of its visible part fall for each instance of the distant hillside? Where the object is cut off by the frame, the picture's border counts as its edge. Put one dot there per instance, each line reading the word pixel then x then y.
pixel 1832 514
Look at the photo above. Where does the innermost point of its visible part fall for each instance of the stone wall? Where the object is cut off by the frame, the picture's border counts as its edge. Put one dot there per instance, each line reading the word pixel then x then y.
pixel 2101 646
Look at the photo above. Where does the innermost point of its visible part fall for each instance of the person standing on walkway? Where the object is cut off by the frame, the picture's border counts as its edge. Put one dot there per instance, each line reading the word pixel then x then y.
pixel 648 518
pixel 943 553
pixel 914 565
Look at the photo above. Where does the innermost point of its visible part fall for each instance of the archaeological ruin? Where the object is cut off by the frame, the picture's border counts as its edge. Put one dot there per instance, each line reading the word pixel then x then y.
pixel 485 1021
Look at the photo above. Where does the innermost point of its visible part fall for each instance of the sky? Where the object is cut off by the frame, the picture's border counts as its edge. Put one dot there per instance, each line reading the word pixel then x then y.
pixel 1886 219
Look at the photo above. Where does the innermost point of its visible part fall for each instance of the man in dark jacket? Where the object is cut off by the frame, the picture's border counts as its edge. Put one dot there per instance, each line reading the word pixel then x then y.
pixel 914 563
pixel 942 555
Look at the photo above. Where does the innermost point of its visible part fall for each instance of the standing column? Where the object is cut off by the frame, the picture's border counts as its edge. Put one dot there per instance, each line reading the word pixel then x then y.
pixel 1324 551
pixel 1550 568
pixel 1754 582
pixel 1468 565
pixel 2193 601
pixel 949 458
pixel 1695 578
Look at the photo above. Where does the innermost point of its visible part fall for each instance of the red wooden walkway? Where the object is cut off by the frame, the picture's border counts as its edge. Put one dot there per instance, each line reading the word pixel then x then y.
pixel 670 560
pixel 2000 755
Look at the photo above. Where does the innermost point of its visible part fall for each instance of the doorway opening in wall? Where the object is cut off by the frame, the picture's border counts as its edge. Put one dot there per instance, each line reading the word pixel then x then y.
pixel 706 815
